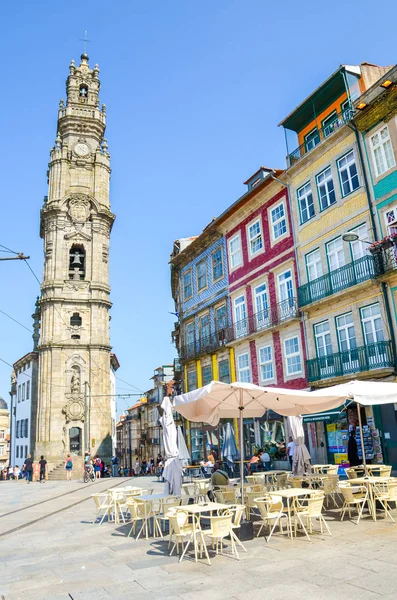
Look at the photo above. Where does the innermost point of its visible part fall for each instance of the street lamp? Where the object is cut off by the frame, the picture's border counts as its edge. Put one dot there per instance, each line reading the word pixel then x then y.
pixel 353 237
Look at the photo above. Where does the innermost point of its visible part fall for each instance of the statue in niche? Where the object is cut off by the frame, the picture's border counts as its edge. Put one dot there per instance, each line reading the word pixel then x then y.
pixel 75 382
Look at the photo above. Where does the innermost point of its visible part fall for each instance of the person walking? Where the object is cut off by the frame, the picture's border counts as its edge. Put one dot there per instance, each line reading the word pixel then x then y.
pixel 43 466
pixel 28 468
pixel 97 467
pixel 68 467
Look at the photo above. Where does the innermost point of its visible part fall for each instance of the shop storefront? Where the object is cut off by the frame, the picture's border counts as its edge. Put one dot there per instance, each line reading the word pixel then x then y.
pixel 327 436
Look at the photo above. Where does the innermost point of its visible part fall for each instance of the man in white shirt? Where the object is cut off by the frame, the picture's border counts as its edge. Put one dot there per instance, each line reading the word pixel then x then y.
pixel 265 458
pixel 290 450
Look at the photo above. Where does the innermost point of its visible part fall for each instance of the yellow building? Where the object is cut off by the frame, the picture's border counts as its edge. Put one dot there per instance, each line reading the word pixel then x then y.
pixel 345 311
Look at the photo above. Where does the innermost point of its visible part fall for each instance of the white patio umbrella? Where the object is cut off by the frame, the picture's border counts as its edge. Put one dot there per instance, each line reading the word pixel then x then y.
pixel 229 451
pixel 172 469
pixel 301 456
pixel 238 400
pixel 184 456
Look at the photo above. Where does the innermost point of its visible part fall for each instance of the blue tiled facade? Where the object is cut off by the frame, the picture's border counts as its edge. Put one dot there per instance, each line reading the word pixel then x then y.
pixel 210 295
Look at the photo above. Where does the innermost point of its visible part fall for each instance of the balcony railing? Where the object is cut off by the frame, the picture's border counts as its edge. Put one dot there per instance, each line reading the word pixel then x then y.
pixel 281 312
pixel 364 358
pixel 260 321
pixel 385 259
pixel 322 133
pixel 335 281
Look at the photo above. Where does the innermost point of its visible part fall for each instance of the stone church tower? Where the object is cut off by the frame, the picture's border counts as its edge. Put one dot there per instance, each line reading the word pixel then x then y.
pixel 73 410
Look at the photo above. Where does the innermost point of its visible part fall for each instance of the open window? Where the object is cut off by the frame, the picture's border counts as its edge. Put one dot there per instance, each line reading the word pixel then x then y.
pixel 75 320
pixel 77 262
pixel 83 91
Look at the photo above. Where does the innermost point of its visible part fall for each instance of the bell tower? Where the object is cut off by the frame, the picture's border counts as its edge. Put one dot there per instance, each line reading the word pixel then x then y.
pixel 74 380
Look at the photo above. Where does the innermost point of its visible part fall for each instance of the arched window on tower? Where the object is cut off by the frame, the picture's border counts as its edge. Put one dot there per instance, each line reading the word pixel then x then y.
pixel 77 262
pixel 75 320
pixel 83 91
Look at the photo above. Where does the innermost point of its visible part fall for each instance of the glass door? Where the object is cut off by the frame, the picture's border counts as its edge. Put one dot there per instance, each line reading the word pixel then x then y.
pixel 262 313
pixel 324 349
pixel 373 334
pixel 347 343
pixel 286 294
pixel 240 317
pixel 336 260
pixel 314 268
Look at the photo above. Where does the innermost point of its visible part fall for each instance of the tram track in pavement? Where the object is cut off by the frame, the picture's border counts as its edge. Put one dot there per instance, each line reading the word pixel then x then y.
pixel 50 514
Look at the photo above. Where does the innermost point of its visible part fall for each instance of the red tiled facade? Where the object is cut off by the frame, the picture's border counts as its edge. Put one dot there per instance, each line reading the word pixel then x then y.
pixel 276 257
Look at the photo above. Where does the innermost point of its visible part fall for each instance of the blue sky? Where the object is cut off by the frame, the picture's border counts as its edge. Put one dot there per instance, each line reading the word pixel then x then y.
pixel 194 92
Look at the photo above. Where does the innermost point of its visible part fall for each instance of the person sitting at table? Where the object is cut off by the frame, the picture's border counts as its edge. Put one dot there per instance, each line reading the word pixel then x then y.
pixel 219 477
pixel 253 463
pixel 265 459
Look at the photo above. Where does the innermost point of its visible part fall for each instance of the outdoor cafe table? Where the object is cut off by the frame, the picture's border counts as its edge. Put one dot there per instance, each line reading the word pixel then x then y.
pixel 370 483
pixel 152 498
pixel 291 495
pixel 314 478
pixel 115 494
pixel 199 509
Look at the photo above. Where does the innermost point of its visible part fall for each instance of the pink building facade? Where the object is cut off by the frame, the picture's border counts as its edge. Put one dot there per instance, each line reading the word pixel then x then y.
pixel 266 331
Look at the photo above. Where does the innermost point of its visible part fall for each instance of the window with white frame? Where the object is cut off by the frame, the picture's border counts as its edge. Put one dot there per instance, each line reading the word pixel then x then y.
pixel 27 390
pixel 243 368
pixel 348 173
pixel 325 187
pixel 255 237
pixel 335 254
pixel 292 356
pixel 279 221
pixel 322 336
pixel 17 452
pixel 217 264
pixel 305 201
pixel 26 451
pixel 2 450
pixel 261 305
pixel 235 254
pixel 17 429
pixel 371 320
pixel 382 151
pixel 187 285
pixel 201 270
pixel 19 392
pixel 2 434
pixel 266 363
pixel 314 265
pixel 23 392
pixel 359 248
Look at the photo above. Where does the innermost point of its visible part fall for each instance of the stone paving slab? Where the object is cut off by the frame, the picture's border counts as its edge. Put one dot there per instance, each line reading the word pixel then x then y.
pixel 66 556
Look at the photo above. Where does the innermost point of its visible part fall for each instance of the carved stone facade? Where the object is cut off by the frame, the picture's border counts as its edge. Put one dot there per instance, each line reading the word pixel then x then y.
pixel 74 404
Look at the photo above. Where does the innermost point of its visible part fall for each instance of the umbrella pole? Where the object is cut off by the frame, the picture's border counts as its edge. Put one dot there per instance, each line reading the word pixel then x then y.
pixel 241 408
pixel 361 437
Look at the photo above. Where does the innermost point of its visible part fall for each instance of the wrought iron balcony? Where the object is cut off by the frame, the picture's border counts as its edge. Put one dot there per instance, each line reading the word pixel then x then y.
pixel 335 123
pixel 260 321
pixel 271 317
pixel 385 258
pixel 335 281
pixel 364 358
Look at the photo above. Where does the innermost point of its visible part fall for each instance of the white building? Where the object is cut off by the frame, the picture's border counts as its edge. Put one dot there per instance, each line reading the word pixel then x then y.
pixel 23 407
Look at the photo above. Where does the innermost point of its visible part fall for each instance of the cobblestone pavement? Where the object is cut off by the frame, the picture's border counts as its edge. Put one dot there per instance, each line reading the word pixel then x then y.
pixel 65 556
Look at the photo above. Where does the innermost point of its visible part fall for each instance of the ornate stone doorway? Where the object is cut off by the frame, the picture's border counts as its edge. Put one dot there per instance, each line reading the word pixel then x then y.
pixel 75 441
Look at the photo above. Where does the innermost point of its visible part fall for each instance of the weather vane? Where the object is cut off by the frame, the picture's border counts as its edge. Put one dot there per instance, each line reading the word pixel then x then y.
pixel 85 40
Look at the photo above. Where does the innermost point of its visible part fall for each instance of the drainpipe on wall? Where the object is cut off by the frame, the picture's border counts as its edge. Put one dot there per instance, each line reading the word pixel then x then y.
pixel 375 232
pixel 295 252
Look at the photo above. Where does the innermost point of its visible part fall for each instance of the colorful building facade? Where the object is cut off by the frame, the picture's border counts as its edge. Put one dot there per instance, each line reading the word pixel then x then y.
pixel 375 120
pixel 348 329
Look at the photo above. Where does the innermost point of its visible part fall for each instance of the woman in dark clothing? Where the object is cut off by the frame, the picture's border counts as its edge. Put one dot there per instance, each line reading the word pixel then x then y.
pixel 352 450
